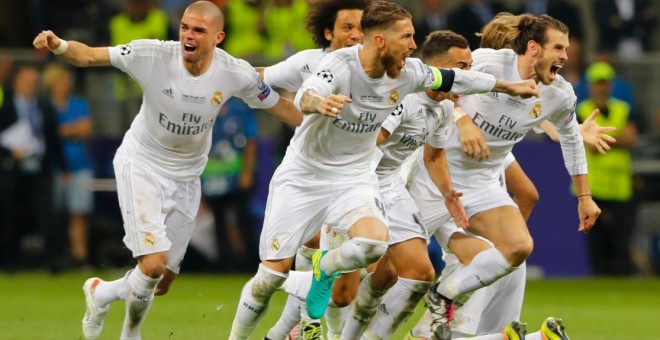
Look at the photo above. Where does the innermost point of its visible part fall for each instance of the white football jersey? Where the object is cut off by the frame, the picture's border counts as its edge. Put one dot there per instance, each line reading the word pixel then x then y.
pixel 172 132
pixel 418 120
pixel 323 144
pixel 290 74
pixel 504 120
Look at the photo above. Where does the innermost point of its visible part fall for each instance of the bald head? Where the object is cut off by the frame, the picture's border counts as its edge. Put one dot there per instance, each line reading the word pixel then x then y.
pixel 207 9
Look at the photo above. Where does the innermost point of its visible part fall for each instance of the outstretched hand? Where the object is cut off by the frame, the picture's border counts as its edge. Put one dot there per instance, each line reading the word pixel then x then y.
pixel 595 135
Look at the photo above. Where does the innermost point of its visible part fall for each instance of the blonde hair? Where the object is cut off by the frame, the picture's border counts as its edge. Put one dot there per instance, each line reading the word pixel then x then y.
pixel 514 31
pixel 53 73
pixel 500 32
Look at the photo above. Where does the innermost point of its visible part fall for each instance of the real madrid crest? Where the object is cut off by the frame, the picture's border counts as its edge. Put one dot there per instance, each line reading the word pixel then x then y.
pixel 536 111
pixel 149 239
pixel 275 245
pixel 394 97
pixel 217 98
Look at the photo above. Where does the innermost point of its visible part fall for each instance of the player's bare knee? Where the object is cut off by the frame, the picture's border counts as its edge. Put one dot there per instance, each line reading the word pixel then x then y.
pixel 520 251
pixel 419 272
pixel 153 266
pixel 343 295
pixel 529 197
pixel 162 290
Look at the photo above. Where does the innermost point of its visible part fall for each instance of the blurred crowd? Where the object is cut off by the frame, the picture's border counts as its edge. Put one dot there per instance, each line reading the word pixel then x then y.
pixel 57 211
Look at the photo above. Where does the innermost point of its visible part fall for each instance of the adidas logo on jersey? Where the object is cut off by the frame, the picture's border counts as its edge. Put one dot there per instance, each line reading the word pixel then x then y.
pixel 305 69
pixel 383 309
pixel 168 92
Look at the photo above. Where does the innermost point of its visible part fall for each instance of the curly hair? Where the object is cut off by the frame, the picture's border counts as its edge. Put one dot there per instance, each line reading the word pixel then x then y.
pixel 323 14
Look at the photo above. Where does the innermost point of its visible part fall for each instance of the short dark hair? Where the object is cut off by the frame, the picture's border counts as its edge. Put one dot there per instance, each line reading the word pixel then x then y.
pixel 439 42
pixel 323 14
pixel 382 14
pixel 535 28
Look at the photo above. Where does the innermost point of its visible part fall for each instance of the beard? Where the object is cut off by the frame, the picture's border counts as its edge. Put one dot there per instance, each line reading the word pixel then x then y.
pixel 392 66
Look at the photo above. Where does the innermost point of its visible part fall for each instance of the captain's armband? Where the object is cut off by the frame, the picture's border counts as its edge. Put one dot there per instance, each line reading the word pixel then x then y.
pixel 443 79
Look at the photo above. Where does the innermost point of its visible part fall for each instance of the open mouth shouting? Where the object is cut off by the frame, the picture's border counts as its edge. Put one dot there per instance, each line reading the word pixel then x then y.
pixel 189 48
pixel 554 70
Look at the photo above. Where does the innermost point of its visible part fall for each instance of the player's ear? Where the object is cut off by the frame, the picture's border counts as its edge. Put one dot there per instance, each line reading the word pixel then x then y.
pixel 220 37
pixel 327 33
pixel 379 40
pixel 533 47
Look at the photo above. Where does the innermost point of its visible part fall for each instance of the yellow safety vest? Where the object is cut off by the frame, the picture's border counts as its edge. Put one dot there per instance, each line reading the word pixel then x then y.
pixel 2 96
pixel 285 28
pixel 243 38
pixel 610 175
pixel 123 31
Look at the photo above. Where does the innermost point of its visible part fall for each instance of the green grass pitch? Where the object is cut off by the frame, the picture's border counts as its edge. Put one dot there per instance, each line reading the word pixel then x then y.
pixel 39 306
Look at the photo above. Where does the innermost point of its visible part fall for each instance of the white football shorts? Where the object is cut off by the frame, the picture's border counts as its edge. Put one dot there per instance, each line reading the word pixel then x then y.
pixel 435 215
pixel 301 201
pixel 402 212
pixel 158 212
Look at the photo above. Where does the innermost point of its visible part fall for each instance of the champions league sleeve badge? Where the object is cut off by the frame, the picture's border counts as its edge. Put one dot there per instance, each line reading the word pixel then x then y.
pixel 536 111
pixel 125 50
pixel 326 75
pixel 398 110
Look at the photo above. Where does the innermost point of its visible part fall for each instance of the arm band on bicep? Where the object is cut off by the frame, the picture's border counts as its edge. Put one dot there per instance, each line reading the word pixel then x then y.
pixel 442 79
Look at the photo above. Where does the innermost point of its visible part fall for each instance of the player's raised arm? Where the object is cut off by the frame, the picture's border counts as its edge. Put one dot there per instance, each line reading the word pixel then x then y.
pixel 75 53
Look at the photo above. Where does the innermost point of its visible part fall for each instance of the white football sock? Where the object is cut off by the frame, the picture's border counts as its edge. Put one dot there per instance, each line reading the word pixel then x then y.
pixel 298 284
pixel 355 253
pixel 486 267
pixel 289 318
pixel 362 309
pixel 304 258
pixel 334 318
pixel 291 313
pixel 139 297
pixel 110 291
pixel 254 301
pixel 398 305
pixel 423 327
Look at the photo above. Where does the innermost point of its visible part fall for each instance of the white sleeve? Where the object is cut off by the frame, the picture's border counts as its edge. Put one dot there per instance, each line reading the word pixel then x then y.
pixel 438 137
pixel 254 91
pixel 455 80
pixel 470 82
pixel 136 58
pixel 572 145
pixel 394 119
pixel 285 75
pixel 332 77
